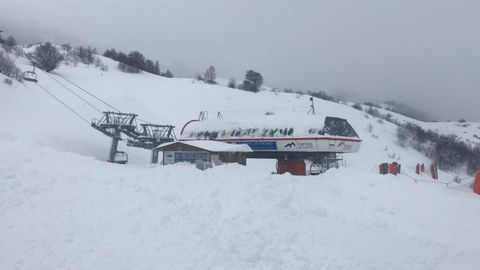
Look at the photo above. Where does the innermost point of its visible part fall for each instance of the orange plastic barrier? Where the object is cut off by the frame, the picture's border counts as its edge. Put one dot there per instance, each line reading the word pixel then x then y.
pixel 476 184
pixel 392 168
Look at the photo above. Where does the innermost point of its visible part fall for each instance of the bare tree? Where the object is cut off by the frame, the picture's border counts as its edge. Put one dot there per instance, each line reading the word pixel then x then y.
pixel 210 75
pixel 46 57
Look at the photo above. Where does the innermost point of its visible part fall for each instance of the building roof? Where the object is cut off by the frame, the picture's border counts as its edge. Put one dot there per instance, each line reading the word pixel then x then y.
pixel 212 146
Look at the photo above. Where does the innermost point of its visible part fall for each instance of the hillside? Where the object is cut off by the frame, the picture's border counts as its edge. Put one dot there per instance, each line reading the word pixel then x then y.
pixel 63 207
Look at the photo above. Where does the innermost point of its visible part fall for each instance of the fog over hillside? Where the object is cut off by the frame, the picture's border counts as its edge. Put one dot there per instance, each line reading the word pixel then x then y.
pixel 423 53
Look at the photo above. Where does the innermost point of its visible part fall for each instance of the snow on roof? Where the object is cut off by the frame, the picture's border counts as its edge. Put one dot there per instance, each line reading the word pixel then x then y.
pixel 300 124
pixel 213 146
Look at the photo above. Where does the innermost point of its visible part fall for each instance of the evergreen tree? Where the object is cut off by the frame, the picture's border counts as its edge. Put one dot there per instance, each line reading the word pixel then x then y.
pixel 253 81
pixel 168 74
pixel 122 57
pixel 156 68
pixel 136 60
pixel 149 66
pixel 112 54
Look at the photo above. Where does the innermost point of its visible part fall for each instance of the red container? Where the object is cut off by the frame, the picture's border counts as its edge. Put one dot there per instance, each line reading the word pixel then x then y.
pixel 383 168
pixel 476 184
pixel 295 167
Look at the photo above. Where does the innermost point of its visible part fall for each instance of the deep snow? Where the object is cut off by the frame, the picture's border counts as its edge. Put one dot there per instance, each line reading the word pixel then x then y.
pixel 63 211
pixel 63 207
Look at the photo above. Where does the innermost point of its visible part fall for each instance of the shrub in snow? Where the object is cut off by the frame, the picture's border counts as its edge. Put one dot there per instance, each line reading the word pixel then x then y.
pixel 8 67
pixel 357 106
pixel 47 57
pixel 232 83
pixel 8 81
pixel 373 112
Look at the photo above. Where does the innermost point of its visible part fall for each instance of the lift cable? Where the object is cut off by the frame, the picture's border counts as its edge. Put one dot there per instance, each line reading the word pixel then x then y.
pixel 96 97
pixel 92 95
pixel 74 93
pixel 64 104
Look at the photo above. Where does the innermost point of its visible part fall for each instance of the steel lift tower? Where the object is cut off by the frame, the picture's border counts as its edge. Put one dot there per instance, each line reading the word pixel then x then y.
pixel 113 124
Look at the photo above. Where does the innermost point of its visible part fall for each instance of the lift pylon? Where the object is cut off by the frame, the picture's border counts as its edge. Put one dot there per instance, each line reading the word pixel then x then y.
pixel 113 124
pixel 151 136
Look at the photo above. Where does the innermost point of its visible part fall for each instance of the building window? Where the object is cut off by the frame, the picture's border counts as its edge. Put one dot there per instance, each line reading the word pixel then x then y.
pixel 190 156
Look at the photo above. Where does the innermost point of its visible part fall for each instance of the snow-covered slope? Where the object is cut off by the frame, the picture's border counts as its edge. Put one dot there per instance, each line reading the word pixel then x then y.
pixel 63 207
pixel 162 100
pixel 468 132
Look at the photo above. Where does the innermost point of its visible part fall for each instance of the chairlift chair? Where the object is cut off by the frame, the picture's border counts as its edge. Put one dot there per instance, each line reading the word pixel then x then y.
pixel 30 76
pixel 120 158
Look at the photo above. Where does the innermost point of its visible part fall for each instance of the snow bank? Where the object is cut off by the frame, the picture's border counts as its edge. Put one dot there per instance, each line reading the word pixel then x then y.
pixel 63 211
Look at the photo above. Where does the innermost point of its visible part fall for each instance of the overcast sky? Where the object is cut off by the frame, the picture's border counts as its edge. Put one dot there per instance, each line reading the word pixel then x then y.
pixel 422 52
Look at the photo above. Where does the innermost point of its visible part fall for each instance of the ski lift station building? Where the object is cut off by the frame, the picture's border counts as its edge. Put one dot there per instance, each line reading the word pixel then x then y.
pixel 290 139
pixel 206 151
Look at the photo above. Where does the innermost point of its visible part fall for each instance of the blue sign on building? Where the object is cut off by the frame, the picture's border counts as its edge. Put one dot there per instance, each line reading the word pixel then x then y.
pixel 260 145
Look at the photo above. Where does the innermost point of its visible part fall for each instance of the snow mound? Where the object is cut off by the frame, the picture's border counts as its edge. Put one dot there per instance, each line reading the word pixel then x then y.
pixel 63 211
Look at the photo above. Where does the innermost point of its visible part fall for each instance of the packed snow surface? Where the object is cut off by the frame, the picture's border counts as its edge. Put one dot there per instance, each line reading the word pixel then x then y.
pixel 63 207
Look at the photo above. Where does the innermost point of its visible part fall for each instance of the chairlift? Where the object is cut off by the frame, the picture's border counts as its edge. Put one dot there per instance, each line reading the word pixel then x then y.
pixel 30 76
pixel 120 157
